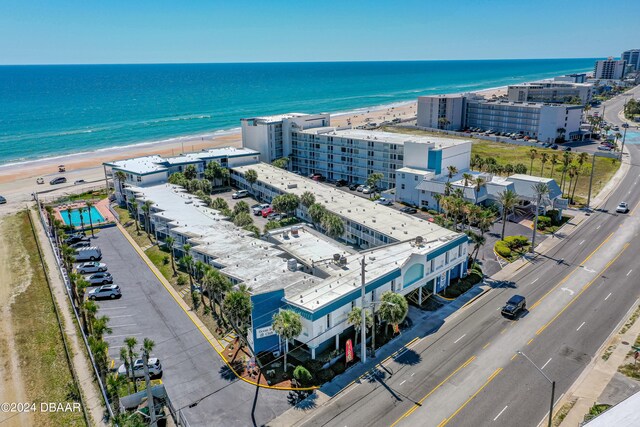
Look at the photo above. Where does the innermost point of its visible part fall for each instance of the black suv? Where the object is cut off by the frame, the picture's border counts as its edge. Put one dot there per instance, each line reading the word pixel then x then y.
pixel 341 183
pixel 514 306
pixel 75 238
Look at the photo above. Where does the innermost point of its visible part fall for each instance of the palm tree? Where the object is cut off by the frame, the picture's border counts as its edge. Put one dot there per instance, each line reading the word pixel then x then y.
pixel 89 206
pixel 333 225
pixel 134 212
pixel 533 153
pixel 586 109
pixel 251 176
pixel 146 208
pixel 541 191
pixel 451 171
pixel 170 243
pixel 100 350
pixel 147 348
pixel 237 305
pixel 393 308
pixel 130 343
pixel 478 183
pixel 187 262
pixel 508 169
pixel 100 327
pixel 443 122
pixel 544 158
pixel 317 212
pixel 466 179
pixel 572 171
pixel 438 198
pixel 354 318
pixel 480 162
pixel 448 188
pixel 554 162
pixel 582 159
pixel 566 160
pixel 288 325
pixel 114 381
pixel 90 309
pixel 121 177
pixel 307 199
pixel 81 212
pixel 217 286
pixel 508 199
pixel 478 241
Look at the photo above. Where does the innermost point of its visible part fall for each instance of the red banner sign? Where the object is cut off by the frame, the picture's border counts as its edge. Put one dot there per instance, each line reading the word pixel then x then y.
pixel 349 351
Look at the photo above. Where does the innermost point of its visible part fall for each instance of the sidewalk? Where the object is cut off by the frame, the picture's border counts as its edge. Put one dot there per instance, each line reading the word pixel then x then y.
pixel 426 325
pixel 595 378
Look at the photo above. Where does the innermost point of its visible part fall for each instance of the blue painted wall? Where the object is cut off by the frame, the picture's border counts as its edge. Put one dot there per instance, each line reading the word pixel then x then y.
pixel 413 274
pixel 434 161
pixel 264 306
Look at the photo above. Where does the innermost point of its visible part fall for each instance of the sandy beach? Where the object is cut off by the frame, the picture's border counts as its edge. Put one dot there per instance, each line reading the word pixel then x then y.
pixel 18 181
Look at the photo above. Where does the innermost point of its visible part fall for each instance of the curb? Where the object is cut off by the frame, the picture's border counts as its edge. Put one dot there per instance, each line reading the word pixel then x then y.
pixel 197 322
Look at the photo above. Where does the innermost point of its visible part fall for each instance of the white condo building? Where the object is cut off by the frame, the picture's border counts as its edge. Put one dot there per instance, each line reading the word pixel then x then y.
pixel 609 69
pixel 441 111
pixel 550 92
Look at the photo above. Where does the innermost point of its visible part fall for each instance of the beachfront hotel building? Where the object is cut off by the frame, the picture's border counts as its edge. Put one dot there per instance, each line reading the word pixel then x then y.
pixel 270 135
pixel 151 170
pixel 609 69
pixel 441 111
pixel 550 92
pixel 572 78
pixel 537 120
pixel 300 269
pixel 632 57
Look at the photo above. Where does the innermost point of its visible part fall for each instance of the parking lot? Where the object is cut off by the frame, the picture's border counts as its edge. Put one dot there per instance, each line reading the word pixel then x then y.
pixel 192 368
pixel 259 221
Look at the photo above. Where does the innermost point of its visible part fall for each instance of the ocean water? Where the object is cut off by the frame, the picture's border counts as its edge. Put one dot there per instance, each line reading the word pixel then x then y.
pixel 55 110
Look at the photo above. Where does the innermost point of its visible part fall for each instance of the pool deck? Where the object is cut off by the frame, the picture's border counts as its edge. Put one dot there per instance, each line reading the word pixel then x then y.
pixel 102 206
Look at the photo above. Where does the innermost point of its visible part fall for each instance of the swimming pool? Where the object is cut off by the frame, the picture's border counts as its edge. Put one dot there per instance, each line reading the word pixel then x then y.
pixel 77 219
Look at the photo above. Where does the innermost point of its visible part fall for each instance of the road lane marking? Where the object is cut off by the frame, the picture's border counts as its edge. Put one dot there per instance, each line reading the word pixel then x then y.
pixel 629 273
pixel 514 356
pixel 416 405
pixel 607 297
pixel 413 374
pixel 581 325
pixel 446 420
pixel 530 341
pixel 535 281
pixel 456 341
pixel 503 331
pixel 584 288
pixel 598 227
pixel 579 244
pixel 486 345
pixel 503 409
pixel 545 365
pixel 403 382
pixel 569 275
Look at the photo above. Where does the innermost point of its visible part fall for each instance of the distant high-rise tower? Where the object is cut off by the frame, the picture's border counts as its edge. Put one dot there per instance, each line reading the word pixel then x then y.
pixel 609 69
pixel 632 57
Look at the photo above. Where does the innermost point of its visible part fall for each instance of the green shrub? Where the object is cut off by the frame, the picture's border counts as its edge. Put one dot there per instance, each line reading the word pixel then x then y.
pixel 515 242
pixel 165 260
pixel 544 222
pixel 432 211
pixel 302 375
pixel 182 280
pixel 554 214
pixel 424 209
pixel 502 249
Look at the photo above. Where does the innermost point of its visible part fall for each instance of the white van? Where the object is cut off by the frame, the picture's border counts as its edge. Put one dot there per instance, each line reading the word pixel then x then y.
pixel 88 254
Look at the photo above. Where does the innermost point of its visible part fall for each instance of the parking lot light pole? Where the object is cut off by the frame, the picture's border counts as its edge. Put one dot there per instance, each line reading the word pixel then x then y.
pixel 553 385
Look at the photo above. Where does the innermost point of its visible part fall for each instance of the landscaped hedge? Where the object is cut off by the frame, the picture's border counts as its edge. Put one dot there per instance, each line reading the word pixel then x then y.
pixel 502 249
pixel 516 242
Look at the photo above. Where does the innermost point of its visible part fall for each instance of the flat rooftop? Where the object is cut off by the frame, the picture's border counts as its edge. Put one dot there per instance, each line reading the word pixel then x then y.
pixel 383 219
pixel 212 153
pixel 389 137
pixel 276 118
pixel 140 165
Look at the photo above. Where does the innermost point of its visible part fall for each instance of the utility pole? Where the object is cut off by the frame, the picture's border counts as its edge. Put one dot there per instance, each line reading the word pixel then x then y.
pixel 553 385
pixel 150 404
pixel 363 327
pixel 593 166
pixel 624 137
pixel 535 224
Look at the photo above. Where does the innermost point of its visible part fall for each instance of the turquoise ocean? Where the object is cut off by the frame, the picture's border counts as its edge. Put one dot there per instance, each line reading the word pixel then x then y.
pixel 48 111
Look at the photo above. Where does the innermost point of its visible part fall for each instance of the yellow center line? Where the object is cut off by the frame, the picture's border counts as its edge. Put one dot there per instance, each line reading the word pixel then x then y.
pixel 514 356
pixel 531 340
pixel 569 275
pixel 406 414
pixel 486 345
pixel 446 420
pixel 606 267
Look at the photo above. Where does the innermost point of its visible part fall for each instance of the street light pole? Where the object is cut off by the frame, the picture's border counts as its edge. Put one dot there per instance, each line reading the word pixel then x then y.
pixel 363 327
pixel 624 137
pixel 553 385
pixel 593 166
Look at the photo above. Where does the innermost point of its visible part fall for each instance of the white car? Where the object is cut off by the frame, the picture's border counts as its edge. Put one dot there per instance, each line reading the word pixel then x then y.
pixel 105 291
pixel 91 267
pixel 383 201
pixel 367 190
pixel 99 278
pixel 240 194
pixel 155 368
pixel 257 210
pixel 623 207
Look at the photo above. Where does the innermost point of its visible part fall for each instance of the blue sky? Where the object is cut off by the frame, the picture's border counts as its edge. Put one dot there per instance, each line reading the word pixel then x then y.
pixel 139 31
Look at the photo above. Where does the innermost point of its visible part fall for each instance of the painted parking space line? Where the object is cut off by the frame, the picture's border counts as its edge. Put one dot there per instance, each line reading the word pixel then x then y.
pixel 535 280
pixel 545 365
pixel 403 382
pixel 118 317
pixel 112 308
pixel 456 341
pixel 503 409
pixel 607 297
pixel 122 326
pixel 581 243
pixel 120 336
pixel 629 273
pixel 581 325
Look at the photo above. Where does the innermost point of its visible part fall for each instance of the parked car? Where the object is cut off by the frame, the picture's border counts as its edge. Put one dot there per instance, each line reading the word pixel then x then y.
pixel 61 168
pixel 408 210
pixel 266 211
pixel 341 182
pixel 276 216
pixel 91 267
pixel 317 177
pixel 81 244
pixel 554 147
pixel 514 306
pixel 79 181
pixel 40 180
pixel 2 200
pixel 99 278
pixel 383 201
pixel 73 238
pixel 154 366
pixel 604 148
pixel 257 209
pixel 240 194
pixel 566 148
pixel 623 207
pixel 360 188
pixel 367 190
pixel 105 291
pixel 88 254
pixel 353 186
pixel 58 180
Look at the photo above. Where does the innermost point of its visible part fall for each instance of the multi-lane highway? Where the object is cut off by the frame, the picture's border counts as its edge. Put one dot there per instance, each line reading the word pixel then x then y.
pixel 468 374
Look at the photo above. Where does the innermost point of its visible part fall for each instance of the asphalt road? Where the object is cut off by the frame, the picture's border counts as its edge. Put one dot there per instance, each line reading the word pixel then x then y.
pixel 191 367
pixel 466 373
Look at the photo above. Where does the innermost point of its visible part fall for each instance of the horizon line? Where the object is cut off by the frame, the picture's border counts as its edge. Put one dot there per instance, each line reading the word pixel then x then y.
pixel 287 62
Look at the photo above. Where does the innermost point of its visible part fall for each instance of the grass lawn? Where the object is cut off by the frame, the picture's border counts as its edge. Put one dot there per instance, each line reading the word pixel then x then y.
pixel 513 154
pixel 554 228
pixel 46 373
pixel 128 223
pixel 87 195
